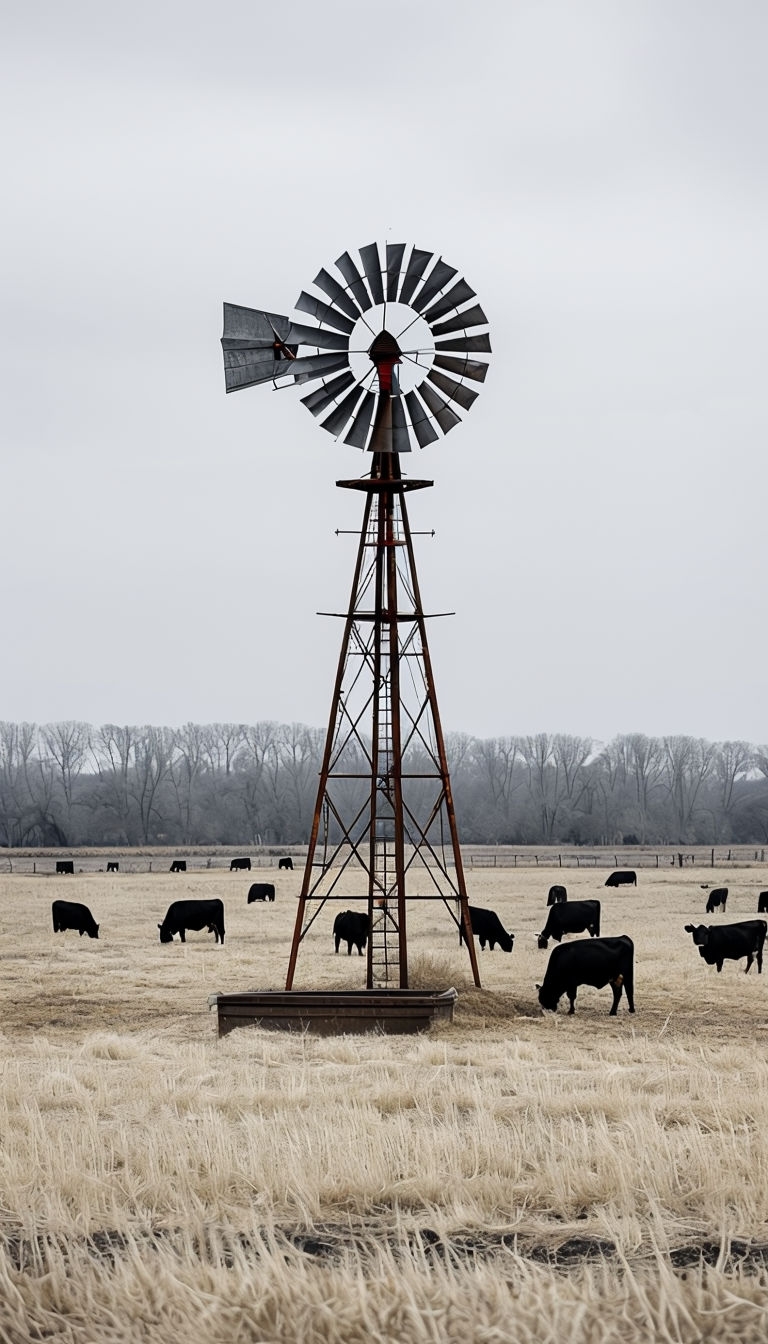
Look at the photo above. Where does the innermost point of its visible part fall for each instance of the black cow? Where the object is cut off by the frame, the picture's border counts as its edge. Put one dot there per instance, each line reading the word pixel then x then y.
pixel 179 866
pixel 730 942
pixel 597 962
pixel 72 915
pixel 623 877
pixel 717 897
pixel 240 865
pixel 286 863
pixel 113 867
pixel 557 895
pixel 351 927
pixel 573 917
pixel 261 891
pixel 487 926
pixel 762 903
pixel 182 915
pixel 65 866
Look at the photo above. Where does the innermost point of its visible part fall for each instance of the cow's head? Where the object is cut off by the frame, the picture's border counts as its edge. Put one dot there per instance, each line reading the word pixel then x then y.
pixel 165 935
pixel 95 932
pixel 506 941
pixel 548 1000
pixel 699 933
pixel 541 941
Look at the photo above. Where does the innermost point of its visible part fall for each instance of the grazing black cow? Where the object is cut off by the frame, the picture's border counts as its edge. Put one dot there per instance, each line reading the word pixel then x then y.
pixel 717 897
pixel 286 863
pixel 240 865
pixel 351 927
pixel 597 962
pixel 730 942
pixel 113 867
pixel 573 917
pixel 261 891
pixel 487 926
pixel 65 866
pixel 182 915
pixel 762 903
pixel 72 915
pixel 623 877
pixel 557 895
pixel 179 866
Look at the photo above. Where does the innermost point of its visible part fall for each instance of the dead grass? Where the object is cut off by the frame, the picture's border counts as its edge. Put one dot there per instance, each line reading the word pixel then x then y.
pixel 155 1179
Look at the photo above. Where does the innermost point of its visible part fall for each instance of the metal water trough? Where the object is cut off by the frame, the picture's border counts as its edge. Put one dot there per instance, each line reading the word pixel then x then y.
pixel 334 1012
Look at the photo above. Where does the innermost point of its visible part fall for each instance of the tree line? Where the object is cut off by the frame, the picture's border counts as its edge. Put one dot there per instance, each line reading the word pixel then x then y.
pixel 70 784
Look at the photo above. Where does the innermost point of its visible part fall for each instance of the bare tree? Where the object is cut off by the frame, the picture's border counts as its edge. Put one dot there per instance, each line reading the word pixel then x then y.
pixel 687 763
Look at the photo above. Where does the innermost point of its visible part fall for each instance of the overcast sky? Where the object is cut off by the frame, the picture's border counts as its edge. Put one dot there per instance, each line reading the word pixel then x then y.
pixel 599 174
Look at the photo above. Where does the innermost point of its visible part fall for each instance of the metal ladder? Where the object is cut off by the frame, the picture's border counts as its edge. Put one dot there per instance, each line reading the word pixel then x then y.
pixel 385 941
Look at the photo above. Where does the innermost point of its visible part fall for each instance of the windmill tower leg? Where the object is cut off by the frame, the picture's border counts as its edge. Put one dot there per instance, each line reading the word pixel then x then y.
pixel 384 800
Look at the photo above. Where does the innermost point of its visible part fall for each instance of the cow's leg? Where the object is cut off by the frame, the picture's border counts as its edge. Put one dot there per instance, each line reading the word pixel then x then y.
pixel 759 955
pixel 616 986
pixel 750 956
pixel 337 940
pixel 181 935
pixel 571 992
pixel 360 949
pixel 719 965
pixel 349 949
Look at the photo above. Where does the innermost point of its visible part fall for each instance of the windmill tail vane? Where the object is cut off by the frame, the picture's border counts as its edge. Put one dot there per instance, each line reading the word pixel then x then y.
pixel 405 309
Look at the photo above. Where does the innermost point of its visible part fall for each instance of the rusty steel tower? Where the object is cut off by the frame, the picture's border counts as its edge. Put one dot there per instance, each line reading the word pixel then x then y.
pixel 394 348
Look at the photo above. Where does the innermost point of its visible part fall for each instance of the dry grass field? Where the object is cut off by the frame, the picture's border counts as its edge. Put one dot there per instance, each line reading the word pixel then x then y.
pixel 511 1176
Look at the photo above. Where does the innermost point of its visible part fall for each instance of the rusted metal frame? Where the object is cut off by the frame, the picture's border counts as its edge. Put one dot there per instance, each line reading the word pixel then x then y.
pixel 354 730
pixel 329 741
pixel 320 902
pixel 376 470
pixel 427 844
pixel 346 828
pixel 394 695
pixel 442 757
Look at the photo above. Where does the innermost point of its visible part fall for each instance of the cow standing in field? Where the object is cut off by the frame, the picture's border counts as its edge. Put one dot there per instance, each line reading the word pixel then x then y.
pixel 261 891
pixel 488 928
pixel 730 942
pixel 240 866
pixel 623 877
pixel 762 903
pixel 113 867
pixel 351 927
pixel 73 915
pixel 183 915
pixel 557 895
pixel 178 866
pixel 572 917
pixel 716 900
pixel 598 962
pixel 285 863
pixel 64 866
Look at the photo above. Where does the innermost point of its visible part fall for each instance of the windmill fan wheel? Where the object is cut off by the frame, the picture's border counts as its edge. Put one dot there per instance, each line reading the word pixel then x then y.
pixel 393 343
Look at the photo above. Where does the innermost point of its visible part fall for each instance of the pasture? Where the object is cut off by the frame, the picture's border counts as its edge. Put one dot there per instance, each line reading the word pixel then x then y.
pixel 511 1176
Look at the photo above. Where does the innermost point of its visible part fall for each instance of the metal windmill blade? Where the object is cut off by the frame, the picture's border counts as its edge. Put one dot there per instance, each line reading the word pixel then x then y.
pixel 378 389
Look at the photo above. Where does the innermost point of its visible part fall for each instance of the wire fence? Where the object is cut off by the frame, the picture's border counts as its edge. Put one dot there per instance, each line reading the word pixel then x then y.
pixel 44 862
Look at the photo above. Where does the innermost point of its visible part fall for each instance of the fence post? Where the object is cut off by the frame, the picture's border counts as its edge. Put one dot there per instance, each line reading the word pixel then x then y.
pixel 712 858
pixel 657 860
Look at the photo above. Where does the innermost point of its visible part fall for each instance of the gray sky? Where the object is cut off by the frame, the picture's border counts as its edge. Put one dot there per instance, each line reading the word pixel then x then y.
pixel 597 171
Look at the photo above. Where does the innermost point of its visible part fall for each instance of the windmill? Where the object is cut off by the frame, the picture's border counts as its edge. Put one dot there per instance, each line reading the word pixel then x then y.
pixel 390 358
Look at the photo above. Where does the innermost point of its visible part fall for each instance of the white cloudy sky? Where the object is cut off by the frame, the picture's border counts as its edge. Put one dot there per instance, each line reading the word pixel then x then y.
pixel 597 171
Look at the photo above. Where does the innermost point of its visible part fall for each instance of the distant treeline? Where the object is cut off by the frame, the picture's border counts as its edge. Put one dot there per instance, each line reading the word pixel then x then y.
pixel 70 784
